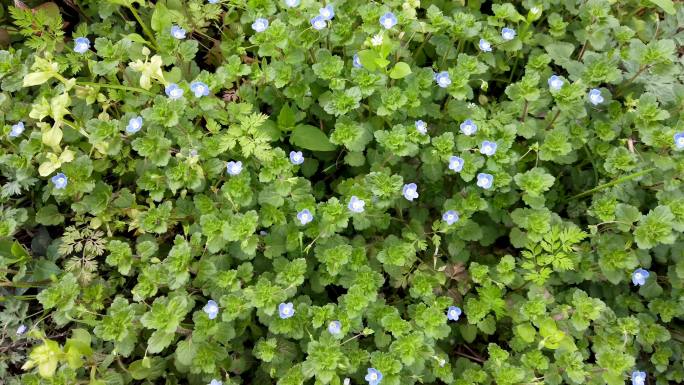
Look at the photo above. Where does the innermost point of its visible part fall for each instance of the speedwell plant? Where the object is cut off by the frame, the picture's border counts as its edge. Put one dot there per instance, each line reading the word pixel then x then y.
pixel 341 192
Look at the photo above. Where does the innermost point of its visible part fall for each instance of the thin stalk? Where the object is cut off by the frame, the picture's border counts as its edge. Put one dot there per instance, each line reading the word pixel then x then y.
pixel 614 183
pixel 146 30
pixel 116 87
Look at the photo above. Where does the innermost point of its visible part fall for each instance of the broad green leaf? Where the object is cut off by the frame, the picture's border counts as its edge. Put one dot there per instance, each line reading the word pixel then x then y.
pixel 311 138
pixel 400 70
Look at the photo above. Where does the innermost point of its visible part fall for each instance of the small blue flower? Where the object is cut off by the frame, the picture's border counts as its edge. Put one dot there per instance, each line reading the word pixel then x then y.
pixel 357 62
pixel 327 12
pixel 319 22
pixel 508 34
pixel 488 148
pixel 334 327
pixel 679 140
pixel 373 377
pixel 60 181
pixel 410 191
pixel 595 96
pixel 443 80
pixel 173 91
pixel 456 163
pixel 639 277
pixel 421 127
pixel 356 205
pixel 17 129
pixel 193 153
pixel 199 89
pixel 177 32
pixel 450 217
pixel 296 157
pixel 485 46
pixel 21 330
pixel 638 378
pixel 304 216
pixel 292 3
pixel 286 310
pixel 468 127
pixel 453 313
pixel 388 20
pixel 134 125
pixel 213 2
pixel 234 168
pixel 485 180
pixel 81 45
pixel 260 25
pixel 555 82
pixel 211 308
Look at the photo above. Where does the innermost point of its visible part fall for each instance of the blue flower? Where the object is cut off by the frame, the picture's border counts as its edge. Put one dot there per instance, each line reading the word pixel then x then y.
pixel 485 180
pixel 327 12
pixel 450 217
pixel 456 163
pixel 356 205
pixel 199 89
pixel 134 125
pixel 60 181
pixel 508 34
pixel 679 140
pixel 177 32
pixel 555 82
pixel 304 216
pixel 213 2
pixel 453 313
pixel 421 127
pixel 638 378
pixel 639 277
pixel 373 377
pixel 286 310
pixel 211 308
pixel 485 46
pixel 260 24
pixel 215 382
pixel 443 79
pixel 234 168
pixel 296 157
pixel 468 127
pixel 595 96
pixel 357 62
pixel 17 129
pixel 292 3
pixel 388 20
pixel 410 191
pixel 334 327
pixel 488 148
pixel 173 91
pixel 319 22
pixel 21 330
pixel 81 45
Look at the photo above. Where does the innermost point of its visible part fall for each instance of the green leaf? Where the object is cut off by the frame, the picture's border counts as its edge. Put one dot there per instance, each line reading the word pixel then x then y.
pixel 665 5
pixel 400 70
pixel 311 138
pixel 49 215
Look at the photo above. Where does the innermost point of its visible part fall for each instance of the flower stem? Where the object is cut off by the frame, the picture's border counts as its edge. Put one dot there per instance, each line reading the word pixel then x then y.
pixel 146 30
pixel 116 87
pixel 615 182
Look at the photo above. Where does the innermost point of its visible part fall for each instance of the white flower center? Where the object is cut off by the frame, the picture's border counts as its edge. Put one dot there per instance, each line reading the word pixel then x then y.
pixel 680 141
pixel 387 23
pixel 557 83
pixel 60 181
pixel 373 376
pixel 357 205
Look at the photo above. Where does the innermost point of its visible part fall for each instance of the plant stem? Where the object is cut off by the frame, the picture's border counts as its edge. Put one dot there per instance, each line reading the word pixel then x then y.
pixel 116 87
pixel 615 182
pixel 146 30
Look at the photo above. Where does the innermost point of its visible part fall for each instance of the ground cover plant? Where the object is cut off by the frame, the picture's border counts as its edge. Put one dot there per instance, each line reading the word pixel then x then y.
pixel 348 192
